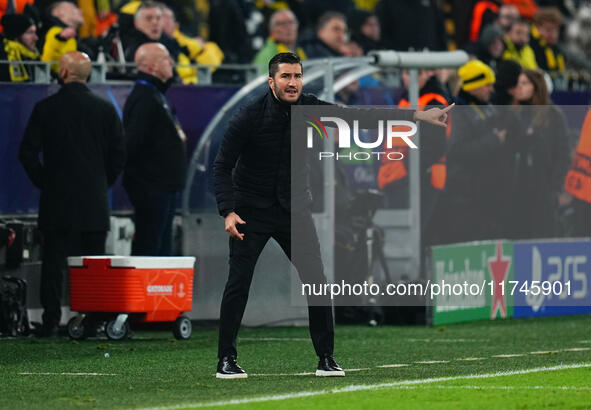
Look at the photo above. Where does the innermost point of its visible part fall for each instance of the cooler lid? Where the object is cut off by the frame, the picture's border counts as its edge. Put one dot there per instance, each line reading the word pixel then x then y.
pixel 139 262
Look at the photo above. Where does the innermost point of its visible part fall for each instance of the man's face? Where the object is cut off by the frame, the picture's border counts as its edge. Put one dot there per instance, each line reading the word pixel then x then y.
pixel 149 22
pixel 163 64
pixel 496 47
pixel 507 15
pixel 483 93
pixel 371 28
pixel 168 23
pixel 519 34
pixel 334 33
pixel 29 38
pixel 285 28
pixel 287 83
pixel 549 32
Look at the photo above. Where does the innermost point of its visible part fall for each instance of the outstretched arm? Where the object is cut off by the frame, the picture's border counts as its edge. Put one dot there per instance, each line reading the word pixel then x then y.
pixel 435 116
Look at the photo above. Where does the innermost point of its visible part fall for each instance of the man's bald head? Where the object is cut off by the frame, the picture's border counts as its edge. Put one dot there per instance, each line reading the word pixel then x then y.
pixel 74 66
pixel 154 59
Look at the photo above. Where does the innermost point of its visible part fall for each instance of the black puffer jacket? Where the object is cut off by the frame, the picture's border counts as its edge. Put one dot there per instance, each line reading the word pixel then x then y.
pixel 253 164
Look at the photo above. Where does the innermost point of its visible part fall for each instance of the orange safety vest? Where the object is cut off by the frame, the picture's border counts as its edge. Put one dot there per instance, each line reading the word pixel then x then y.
pixel 477 13
pixel 527 8
pixel 391 171
pixel 578 179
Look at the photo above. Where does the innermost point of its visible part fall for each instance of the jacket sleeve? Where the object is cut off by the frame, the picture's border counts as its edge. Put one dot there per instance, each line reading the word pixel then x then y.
pixel 115 160
pixel 231 147
pixel 30 148
pixel 369 117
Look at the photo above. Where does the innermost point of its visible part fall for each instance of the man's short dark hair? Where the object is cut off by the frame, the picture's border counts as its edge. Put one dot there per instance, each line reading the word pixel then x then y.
pixel 326 17
pixel 283 58
pixel 148 4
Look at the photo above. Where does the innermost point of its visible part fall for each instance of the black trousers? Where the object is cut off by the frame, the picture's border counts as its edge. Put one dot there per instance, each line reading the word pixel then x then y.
pixel 57 246
pixel 261 225
pixel 153 216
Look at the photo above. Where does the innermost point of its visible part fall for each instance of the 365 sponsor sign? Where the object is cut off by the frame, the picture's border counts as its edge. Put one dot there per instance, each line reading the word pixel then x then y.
pixel 566 265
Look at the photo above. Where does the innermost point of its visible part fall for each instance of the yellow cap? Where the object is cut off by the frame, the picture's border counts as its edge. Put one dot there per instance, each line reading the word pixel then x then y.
pixel 475 74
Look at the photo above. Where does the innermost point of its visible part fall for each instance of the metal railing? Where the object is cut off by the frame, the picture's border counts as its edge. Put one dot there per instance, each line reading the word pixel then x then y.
pixel 110 72
pixel 115 72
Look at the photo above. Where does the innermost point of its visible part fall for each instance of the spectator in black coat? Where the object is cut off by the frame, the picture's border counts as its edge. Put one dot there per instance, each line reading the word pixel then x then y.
pixel 330 39
pixel 478 162
pixel 489 47
pixel 81 141
pixel 366 30
pixel 543 159
pixel 148 28
pixel 156 166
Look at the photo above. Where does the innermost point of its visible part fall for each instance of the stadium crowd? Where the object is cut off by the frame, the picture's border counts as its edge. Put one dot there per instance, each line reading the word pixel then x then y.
pixel 551 35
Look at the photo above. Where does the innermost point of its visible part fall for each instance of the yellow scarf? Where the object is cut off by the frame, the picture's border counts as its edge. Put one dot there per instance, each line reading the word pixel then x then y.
pixel 15 52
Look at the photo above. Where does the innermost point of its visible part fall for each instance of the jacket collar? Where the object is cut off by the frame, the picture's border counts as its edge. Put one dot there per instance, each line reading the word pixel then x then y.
pixel 465 98
pixel 76 87
pixel 156 82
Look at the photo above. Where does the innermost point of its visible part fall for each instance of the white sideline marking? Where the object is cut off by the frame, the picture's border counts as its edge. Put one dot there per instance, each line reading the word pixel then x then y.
pixel 577 349
pixel 498 387
pixel 508 355
pixel 447 340
pixel 433 362
pixel 65 374
pixel 393 365
pixel 545 352
pixel 470 359
pixel 274 339
pixel 365 387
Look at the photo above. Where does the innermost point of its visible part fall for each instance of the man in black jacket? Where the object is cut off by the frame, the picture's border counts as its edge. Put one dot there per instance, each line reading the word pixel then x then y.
pixel 252 178
pixel 81 140
pixel 156 165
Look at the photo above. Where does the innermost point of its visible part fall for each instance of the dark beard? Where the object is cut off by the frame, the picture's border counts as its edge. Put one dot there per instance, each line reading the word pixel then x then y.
pixel 276 89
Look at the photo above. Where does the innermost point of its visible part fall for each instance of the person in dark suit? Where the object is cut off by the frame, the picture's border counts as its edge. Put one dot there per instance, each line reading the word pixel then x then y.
pixel 80 138
pixel 260 199
pixel 156 166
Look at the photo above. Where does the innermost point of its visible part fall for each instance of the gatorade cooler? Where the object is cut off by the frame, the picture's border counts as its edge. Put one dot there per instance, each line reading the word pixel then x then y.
pixel 120 289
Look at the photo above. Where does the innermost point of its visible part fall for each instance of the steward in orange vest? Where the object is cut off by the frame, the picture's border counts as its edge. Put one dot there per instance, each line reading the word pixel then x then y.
pixel 578 180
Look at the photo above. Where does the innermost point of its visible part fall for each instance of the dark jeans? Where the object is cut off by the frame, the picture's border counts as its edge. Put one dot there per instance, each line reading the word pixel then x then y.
pixel 57 246
pixel 261 225
pixel 153 215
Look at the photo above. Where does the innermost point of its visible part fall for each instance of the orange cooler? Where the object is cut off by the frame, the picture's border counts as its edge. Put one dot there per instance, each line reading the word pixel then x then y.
pixel 160 287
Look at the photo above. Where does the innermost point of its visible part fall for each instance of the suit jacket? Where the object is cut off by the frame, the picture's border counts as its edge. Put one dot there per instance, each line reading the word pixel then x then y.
pixel 81 141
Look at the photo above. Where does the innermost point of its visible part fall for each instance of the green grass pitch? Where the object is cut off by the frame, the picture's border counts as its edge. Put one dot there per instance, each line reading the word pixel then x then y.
pixel 508 364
